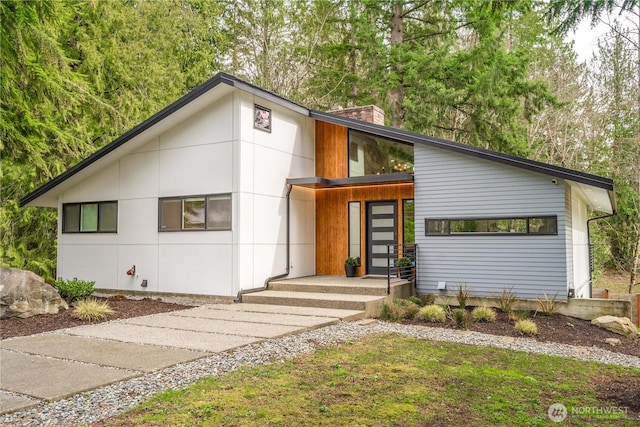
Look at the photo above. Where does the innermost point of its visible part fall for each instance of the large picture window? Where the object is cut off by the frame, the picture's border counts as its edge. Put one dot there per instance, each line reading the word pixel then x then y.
pixel 538 225
pixel 95 217
pixel 212 212
pixel 372 155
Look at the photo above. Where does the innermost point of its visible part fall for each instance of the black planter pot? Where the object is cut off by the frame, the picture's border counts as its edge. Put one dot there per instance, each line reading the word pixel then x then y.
pixel 350 270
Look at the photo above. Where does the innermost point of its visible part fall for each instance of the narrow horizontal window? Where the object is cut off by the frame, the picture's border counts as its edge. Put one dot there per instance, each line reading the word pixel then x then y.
pixel 95 217
pixel 437 226
pixel 480 226
pixel 543 225
pixel 212 212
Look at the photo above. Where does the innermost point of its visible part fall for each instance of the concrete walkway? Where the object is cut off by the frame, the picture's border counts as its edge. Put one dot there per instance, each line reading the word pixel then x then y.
pixel 56 365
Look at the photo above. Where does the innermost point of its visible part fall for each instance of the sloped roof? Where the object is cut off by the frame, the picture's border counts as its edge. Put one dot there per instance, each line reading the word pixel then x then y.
pixel 215 81
pixel 581 179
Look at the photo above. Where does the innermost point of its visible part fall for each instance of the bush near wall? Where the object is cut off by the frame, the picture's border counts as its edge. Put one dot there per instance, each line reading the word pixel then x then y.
pixel 74 289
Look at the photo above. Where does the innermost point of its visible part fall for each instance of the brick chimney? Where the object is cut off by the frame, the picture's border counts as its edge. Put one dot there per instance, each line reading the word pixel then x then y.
pixel 368 113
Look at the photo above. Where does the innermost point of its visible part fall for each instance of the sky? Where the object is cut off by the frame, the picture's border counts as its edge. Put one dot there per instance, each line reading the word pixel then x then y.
pixel 586 39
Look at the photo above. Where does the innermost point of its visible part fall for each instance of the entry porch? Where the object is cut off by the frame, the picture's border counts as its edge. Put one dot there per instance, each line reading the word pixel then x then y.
pixel 364 295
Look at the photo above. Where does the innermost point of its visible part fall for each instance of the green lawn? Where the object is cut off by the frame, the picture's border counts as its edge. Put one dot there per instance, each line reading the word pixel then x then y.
pixel 391 381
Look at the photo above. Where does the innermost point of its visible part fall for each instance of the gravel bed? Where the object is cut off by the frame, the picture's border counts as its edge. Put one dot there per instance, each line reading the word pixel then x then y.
pixel 105 402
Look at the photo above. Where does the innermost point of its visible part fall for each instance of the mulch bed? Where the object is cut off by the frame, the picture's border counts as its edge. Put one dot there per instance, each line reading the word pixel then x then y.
pixel 124 308
pixel 556 328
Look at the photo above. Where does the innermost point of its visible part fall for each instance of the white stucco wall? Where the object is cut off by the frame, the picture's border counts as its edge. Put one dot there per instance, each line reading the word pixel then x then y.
pixel 266 161
pixel 580 244
pixel 215 150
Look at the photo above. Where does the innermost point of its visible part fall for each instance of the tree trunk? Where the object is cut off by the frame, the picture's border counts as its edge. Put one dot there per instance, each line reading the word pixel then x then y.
pixel 636 263
pixel 396 94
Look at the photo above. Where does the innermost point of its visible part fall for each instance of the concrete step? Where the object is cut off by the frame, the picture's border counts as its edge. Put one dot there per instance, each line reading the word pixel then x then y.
pixel 370 305
pixel 361 287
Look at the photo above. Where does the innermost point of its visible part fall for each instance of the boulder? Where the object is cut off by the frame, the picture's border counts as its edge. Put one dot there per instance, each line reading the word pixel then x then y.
pixel 25 294
pixel 619 325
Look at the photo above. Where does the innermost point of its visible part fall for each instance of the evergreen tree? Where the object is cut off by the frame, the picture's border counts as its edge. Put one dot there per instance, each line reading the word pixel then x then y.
pixel 455 69
pixel 75 75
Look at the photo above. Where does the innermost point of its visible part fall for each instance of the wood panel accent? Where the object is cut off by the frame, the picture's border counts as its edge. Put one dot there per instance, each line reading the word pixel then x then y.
pixel 332 226
pixel 331 150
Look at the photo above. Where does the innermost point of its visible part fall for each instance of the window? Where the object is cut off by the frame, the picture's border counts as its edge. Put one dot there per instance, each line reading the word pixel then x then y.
pixel 211 212
pixel 95 217
pixel 540 225
pixel 354 229
pixel 408 221
pixel 262 118
pixel 372 155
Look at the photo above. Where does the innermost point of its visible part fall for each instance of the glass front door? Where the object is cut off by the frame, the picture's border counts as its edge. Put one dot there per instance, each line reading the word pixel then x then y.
pixel 382 230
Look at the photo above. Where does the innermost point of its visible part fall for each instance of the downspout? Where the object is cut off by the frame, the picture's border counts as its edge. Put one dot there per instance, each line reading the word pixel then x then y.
pixel 591 250
pixel 288 243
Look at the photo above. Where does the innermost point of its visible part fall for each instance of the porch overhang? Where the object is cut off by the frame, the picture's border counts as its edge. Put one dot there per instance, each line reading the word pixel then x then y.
pixel 316 182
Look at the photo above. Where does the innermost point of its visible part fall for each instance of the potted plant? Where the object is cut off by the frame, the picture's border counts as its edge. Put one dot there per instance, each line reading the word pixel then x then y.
pixel 350 265
pixel 404 265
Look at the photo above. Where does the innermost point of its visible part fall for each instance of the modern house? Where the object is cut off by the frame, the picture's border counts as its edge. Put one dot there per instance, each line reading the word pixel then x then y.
pixel 231 185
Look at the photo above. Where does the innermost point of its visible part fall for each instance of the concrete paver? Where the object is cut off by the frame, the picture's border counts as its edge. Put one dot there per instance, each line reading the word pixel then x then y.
pixel 54 379
pixel 284 309
pixel 203 341
pixel 53 366
pixel 257 317
pixel 102 352
pixel 11 403
pixel 228 327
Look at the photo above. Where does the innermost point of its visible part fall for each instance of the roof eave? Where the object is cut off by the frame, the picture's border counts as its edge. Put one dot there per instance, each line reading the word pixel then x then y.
pixel 155 119
pixel 508 159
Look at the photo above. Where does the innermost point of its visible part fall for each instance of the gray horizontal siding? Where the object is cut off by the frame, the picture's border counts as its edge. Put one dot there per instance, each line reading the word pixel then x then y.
pixel 450 185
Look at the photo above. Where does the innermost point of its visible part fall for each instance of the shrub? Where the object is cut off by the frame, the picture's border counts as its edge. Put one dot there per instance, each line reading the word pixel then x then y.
pixel 417 301
pixel 92 310
pixel 73 290
pixel 432 313
pixel 548 305
pixel 516 315
pixel 390 312
pixel 464 293
pixel 526 327
pixel 409 308
pixel 427 299
pixel 483 314
pixel 506 299
pixel 462 318
pixel 399 309
pixel 351 261
pixel 404 262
